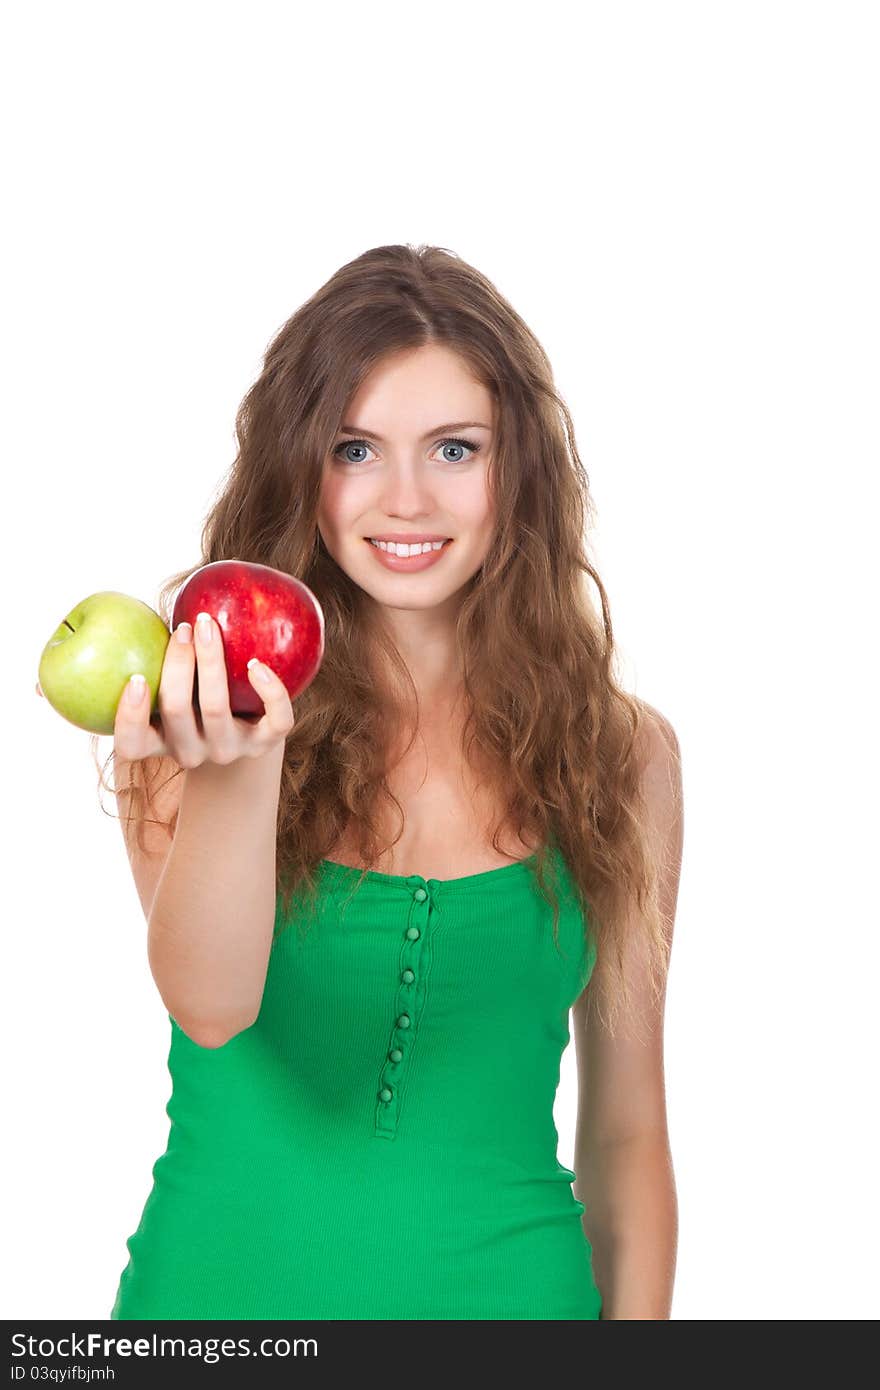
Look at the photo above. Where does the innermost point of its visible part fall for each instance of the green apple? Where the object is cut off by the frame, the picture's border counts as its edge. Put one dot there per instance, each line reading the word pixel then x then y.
pixel 87 661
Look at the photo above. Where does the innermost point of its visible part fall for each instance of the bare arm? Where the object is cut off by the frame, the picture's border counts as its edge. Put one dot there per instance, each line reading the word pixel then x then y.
pixel 212 917
pixel 212 901
pixel 622 1154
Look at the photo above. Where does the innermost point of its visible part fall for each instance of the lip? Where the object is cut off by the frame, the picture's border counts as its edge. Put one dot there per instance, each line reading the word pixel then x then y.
pixel 409 564
pixel 407 537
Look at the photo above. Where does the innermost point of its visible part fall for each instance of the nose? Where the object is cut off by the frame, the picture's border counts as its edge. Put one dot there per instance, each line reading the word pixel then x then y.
pixel 407 494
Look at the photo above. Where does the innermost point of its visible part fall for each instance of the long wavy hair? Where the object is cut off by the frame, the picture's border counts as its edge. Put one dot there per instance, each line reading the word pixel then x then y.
pixel 546 716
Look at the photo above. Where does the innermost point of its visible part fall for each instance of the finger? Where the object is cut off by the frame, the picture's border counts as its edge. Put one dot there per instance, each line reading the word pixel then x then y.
pixel 176 689
pixel 278 720
pixel 39 690
pixel 133 735
pixel 219 730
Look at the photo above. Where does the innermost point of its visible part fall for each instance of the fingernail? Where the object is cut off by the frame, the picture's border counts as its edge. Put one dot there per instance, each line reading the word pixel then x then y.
pixel 204 622
pixel 136 687
pixel 183 632
pixel 260 671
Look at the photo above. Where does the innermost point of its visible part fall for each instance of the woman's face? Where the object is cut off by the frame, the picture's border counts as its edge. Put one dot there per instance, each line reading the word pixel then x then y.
pixel 400 468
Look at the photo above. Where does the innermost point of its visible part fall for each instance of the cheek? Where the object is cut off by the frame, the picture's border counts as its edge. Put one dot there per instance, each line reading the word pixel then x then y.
pixel 482 518
pixel 332 505
pixel 471 502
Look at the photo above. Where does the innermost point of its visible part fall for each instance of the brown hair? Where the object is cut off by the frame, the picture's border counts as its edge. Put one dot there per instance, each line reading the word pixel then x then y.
pixel 545 709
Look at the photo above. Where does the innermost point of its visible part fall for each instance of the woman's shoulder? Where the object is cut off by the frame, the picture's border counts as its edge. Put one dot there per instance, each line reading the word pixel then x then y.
pixel 659 757
pixel 656 736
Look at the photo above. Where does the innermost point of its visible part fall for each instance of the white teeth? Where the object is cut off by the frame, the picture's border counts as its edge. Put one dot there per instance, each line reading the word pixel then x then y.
pixel 398 548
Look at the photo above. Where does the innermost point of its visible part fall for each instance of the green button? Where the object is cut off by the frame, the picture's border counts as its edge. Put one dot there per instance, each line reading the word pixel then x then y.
pixel 420 894
pixel 408 977
pixel 385 1094
pixel 395 1054
pixel 403 1021
pixel 413 933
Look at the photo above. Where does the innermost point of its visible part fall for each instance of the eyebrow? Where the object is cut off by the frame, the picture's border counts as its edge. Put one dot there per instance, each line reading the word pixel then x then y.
pixel 438 429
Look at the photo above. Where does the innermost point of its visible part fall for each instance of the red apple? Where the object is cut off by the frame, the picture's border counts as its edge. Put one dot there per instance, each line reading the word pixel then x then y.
pixel 261 612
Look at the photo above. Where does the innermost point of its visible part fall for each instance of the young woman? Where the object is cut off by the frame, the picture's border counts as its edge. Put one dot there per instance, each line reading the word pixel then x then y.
pixel 372 916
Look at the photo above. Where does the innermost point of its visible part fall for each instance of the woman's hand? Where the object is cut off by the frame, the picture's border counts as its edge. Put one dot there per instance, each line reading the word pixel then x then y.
pixel 220 737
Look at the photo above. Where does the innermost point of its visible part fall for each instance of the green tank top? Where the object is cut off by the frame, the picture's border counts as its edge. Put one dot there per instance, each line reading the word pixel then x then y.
pixel 380 1143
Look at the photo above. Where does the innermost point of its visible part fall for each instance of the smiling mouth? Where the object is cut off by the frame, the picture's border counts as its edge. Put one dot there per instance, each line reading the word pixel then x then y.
pixel 434 547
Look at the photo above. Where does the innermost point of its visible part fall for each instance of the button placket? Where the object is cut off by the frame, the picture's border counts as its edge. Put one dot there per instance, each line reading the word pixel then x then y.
pixel 406 1005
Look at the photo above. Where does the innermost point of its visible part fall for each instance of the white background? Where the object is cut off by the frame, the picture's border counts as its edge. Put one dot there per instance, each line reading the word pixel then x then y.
pixel 681 200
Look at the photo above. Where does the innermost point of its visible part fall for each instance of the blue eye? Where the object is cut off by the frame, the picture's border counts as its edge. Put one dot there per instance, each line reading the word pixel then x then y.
pixel 364 444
